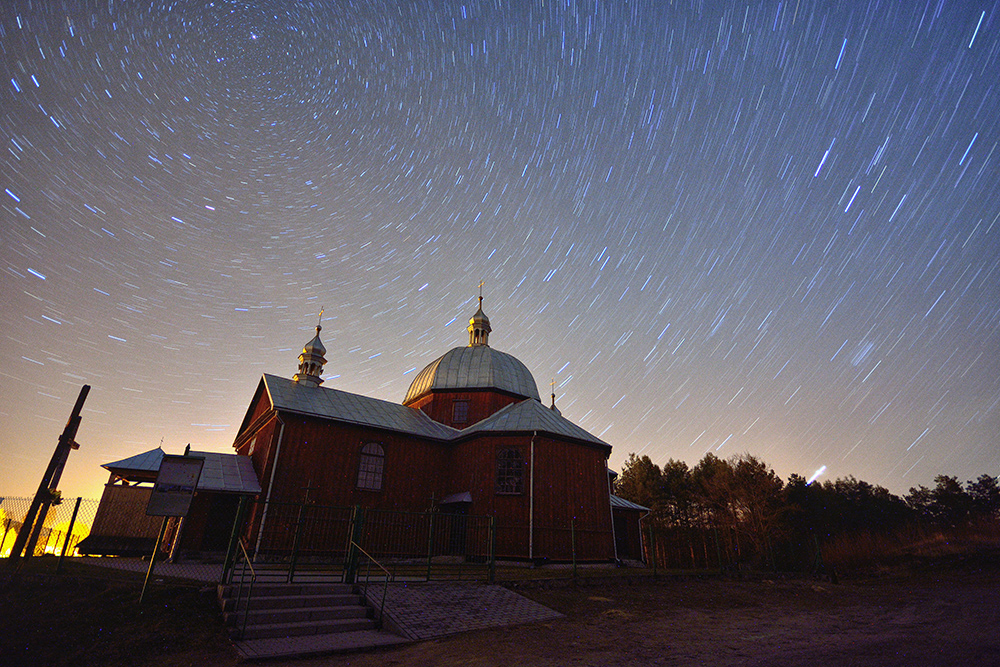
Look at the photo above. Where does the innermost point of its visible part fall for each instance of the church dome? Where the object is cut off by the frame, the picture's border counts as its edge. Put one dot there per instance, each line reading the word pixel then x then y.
pixel 315 346
pixel 474 367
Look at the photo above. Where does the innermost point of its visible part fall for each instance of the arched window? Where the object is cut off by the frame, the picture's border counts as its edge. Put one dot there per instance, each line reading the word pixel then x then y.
pixel 510 472
pixel 370 467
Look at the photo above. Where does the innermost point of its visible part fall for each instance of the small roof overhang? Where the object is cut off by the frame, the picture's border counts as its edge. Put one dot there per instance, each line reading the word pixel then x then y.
pixel 223 473
pixel 463 497
pixel 622 504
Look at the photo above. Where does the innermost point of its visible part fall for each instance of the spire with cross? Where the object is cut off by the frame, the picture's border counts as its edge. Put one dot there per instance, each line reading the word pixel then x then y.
pixel 552 387
pixel 312 359
pixel 479 324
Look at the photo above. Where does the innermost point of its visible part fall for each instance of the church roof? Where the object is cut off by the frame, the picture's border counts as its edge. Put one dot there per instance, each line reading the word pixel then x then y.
pixel 474 367
pixel 526 416
pixel 230 473
pixel 352 408
pixel 529 416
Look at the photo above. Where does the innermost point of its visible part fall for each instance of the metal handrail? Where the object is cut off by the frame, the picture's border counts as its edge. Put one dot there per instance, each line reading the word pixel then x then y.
pixel 239 593
pixel 385 582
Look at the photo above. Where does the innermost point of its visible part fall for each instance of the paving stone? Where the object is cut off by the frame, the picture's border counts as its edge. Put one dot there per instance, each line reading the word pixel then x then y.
pixel 429 610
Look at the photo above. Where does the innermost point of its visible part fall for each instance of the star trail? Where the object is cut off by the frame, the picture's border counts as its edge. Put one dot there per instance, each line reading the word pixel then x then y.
pixel 769 228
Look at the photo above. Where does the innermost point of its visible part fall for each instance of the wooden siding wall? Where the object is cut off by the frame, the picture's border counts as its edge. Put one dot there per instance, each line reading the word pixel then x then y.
pixel 122 513
pixel 326 456
pixel 439 405
pixel 264 442
pixel 195 523
pixel 209 523
pixel 571 496
pixel 473 469
pixel 262 405
pixel 571 484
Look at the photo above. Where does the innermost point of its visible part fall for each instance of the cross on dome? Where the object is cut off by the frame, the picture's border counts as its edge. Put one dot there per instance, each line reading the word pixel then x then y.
pixel 312 359
pixel 479 324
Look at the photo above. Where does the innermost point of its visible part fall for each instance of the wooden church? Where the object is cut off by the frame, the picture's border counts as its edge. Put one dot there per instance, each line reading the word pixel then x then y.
pixel 471 437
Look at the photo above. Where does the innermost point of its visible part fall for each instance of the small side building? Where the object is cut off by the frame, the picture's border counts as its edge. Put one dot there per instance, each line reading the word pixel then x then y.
pixel 122 528
pixel 629 540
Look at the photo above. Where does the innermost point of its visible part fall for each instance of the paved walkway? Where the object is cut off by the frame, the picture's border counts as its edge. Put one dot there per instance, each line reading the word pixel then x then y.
pixel 428 610
pixel 207 572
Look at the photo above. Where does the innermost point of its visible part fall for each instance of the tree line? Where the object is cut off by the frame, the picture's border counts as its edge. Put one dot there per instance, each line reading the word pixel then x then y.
pixel 738 511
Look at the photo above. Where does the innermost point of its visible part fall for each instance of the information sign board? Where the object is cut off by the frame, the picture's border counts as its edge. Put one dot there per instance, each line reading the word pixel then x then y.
pixel 175 485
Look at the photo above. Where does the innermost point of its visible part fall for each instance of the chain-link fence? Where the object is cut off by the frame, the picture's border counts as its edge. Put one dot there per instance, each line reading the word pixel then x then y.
pixel 114 533
pixel 60 532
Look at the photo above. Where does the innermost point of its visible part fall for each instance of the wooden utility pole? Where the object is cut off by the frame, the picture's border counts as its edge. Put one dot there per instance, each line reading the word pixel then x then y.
pixel 28 535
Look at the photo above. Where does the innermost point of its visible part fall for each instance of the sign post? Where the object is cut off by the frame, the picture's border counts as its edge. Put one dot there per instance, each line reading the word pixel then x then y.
pixel 175 485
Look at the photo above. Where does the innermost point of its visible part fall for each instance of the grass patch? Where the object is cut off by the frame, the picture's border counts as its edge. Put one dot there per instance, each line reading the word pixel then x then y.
pixel 91 616
pixel 868 553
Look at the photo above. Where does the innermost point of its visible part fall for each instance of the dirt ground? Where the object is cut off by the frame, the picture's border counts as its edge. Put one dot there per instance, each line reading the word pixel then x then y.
pixel 947 615
pixel 950 618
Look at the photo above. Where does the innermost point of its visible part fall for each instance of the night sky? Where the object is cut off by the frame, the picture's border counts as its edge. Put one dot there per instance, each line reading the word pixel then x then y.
pixel 769 228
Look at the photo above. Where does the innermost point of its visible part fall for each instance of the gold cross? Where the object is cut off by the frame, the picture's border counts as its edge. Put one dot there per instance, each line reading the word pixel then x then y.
pixel 481 283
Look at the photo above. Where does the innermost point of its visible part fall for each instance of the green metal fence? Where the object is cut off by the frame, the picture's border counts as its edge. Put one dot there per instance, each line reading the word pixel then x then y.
pixel 314 541
pixel 296 541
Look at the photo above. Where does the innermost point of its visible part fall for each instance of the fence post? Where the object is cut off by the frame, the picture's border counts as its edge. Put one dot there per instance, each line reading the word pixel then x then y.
pixel 227 565
pixel 430 543
pixel 6 527
pixel 493 549
pixel 350 567
pixel 295 542
pixel 152 559
pixel 818 565
pixel 572 542
pixel 652 549
pixel 36 531
pixel 69 534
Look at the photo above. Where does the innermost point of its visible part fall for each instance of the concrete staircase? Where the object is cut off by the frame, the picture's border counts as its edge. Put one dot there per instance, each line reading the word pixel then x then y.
pixel 294 610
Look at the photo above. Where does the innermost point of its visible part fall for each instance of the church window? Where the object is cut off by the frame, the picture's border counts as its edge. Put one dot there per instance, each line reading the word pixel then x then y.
pixel 510 472
pixel 460 412
pixel 253 445
pixel 370 467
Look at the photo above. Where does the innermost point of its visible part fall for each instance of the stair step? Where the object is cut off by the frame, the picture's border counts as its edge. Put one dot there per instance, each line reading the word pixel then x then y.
pixel 266 589
pixel 296 615
pixel 293 601
pixel 304 628
pixel 322 644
